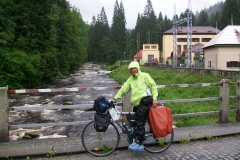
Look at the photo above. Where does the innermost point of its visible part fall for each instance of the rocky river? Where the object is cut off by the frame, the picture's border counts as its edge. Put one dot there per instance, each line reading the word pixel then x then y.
pixel 90 75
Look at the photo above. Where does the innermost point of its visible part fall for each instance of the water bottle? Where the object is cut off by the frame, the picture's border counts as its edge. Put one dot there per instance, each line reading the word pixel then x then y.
pixel 129 129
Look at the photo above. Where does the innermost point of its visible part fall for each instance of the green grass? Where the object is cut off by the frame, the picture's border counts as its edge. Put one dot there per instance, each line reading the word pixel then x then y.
pixel 163 77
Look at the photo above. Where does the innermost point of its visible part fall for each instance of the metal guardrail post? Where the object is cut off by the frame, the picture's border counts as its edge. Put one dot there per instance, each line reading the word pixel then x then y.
pixel 224 102
pixel 127 106
pixel 238 102
pixel 4 122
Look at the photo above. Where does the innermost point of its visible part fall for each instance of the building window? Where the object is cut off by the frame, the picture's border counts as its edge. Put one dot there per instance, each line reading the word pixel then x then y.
pixel 209 64
pixel 147 47
pixel 182 39
pixel 184 47
pixel 179 47
pixel 233 64
pixel 153 47
pixel 206 39
pixel 195 40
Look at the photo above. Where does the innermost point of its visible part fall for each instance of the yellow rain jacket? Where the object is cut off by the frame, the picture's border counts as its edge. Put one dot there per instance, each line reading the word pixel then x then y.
pixel 140 85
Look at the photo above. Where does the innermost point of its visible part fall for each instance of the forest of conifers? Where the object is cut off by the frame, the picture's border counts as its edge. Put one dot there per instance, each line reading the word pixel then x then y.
pixel 43 40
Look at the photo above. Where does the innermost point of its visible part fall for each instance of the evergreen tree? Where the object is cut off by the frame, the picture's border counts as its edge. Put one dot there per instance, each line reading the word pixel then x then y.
pixel 213 19
pixel 160 17
pixel 77 53
pixel 238 4
pixel 98 32
pixel 202 18
pixel 63 42
pixel 167 24
pixel 118 33
pixel 102 30
pixel 147 26
pixel 131 43
pixel 230 14
pixel 40 40
pixel 151 23
pixel 7 34
pixel 7 25
pixel 92 41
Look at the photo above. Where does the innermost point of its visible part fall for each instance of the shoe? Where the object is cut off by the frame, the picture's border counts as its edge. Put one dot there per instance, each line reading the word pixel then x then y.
pixel 135 147
pixel 131 146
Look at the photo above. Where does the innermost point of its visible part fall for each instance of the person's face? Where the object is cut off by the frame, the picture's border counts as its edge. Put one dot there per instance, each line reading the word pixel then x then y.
pixel 133 71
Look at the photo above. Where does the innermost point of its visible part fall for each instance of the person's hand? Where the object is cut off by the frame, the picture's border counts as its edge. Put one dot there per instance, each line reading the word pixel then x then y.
pixel 111 101
pixel 155 103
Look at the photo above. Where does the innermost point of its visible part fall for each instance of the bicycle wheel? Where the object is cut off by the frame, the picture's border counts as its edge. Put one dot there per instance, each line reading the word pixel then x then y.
pixel 100 143
pixel 156 145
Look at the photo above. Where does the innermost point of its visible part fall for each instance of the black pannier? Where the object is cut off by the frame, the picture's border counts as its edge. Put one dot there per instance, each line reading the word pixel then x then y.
pixel 100 104
pixel 101 122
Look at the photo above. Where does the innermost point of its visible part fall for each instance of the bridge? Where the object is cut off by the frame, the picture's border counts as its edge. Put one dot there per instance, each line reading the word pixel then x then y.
pixel 42 146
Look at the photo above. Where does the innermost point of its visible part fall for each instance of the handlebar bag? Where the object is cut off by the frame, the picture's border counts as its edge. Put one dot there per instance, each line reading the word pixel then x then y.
pixel 100 104
pixel 101 122
pixel 160 120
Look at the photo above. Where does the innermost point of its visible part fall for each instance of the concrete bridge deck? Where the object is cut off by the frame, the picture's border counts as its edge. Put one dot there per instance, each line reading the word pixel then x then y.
pixel 33 147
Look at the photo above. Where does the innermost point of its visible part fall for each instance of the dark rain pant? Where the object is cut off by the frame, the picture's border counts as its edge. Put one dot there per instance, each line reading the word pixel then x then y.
pixel 140 120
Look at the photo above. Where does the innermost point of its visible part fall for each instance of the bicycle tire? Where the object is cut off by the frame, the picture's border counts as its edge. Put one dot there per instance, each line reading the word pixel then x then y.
pixel 156 145
pixel 100 143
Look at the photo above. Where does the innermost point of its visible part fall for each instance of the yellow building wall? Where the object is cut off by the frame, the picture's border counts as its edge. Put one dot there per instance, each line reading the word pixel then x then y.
pixel 149 50
pixel 145 55
pixel 219 56
pixel 168 44
pixel 210 56
pixel 139 61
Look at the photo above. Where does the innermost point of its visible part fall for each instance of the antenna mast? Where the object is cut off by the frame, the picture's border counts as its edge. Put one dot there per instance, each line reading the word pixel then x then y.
pixel 174 62
pixel 189 34
pixel 187 19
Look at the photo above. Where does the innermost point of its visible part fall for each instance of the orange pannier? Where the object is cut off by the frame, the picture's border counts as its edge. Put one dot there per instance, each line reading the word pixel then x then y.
pixel 160 119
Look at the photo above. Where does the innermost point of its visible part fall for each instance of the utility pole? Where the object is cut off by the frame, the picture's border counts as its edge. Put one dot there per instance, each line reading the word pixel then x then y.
pixel 138 42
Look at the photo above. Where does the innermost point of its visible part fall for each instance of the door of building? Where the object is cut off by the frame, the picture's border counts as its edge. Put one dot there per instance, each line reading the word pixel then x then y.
pixel 150 57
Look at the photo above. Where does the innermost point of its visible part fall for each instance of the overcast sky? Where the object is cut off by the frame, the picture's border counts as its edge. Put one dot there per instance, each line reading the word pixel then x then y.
pixel 90 8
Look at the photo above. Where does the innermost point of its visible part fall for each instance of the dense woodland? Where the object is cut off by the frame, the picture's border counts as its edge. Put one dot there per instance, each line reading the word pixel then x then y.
pixel 43 40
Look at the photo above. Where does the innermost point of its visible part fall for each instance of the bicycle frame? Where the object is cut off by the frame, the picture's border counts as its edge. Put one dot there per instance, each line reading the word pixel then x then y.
pixel 130 135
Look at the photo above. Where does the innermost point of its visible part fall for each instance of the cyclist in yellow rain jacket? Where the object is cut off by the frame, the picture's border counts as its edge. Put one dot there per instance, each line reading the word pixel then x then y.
pixel 141 85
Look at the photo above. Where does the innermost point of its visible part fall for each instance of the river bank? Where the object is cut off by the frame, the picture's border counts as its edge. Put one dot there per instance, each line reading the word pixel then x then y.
pixel 90 75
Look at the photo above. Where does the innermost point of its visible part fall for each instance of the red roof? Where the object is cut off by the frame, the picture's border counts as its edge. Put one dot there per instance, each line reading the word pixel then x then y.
pixel 138 55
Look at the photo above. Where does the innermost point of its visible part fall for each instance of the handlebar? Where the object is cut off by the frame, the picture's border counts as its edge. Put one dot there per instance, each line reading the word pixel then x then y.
pixel 111 103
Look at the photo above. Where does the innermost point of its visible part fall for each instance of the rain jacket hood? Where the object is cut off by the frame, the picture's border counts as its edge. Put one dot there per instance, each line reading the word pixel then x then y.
pixel 134 65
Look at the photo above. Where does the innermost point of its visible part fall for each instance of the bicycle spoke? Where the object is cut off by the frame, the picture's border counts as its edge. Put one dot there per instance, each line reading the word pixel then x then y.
pixel 156 145
pixel 100 143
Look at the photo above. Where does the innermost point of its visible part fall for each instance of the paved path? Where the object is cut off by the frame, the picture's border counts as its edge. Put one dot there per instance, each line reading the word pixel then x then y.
pixel 195 149
pixel 226 148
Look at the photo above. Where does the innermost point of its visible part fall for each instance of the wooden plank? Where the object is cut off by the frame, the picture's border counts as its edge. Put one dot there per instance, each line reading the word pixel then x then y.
pixel 48 124
pixel 36 107
pixel 200 113
pixel 79 106
pixel 195 114
pixel 189 100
